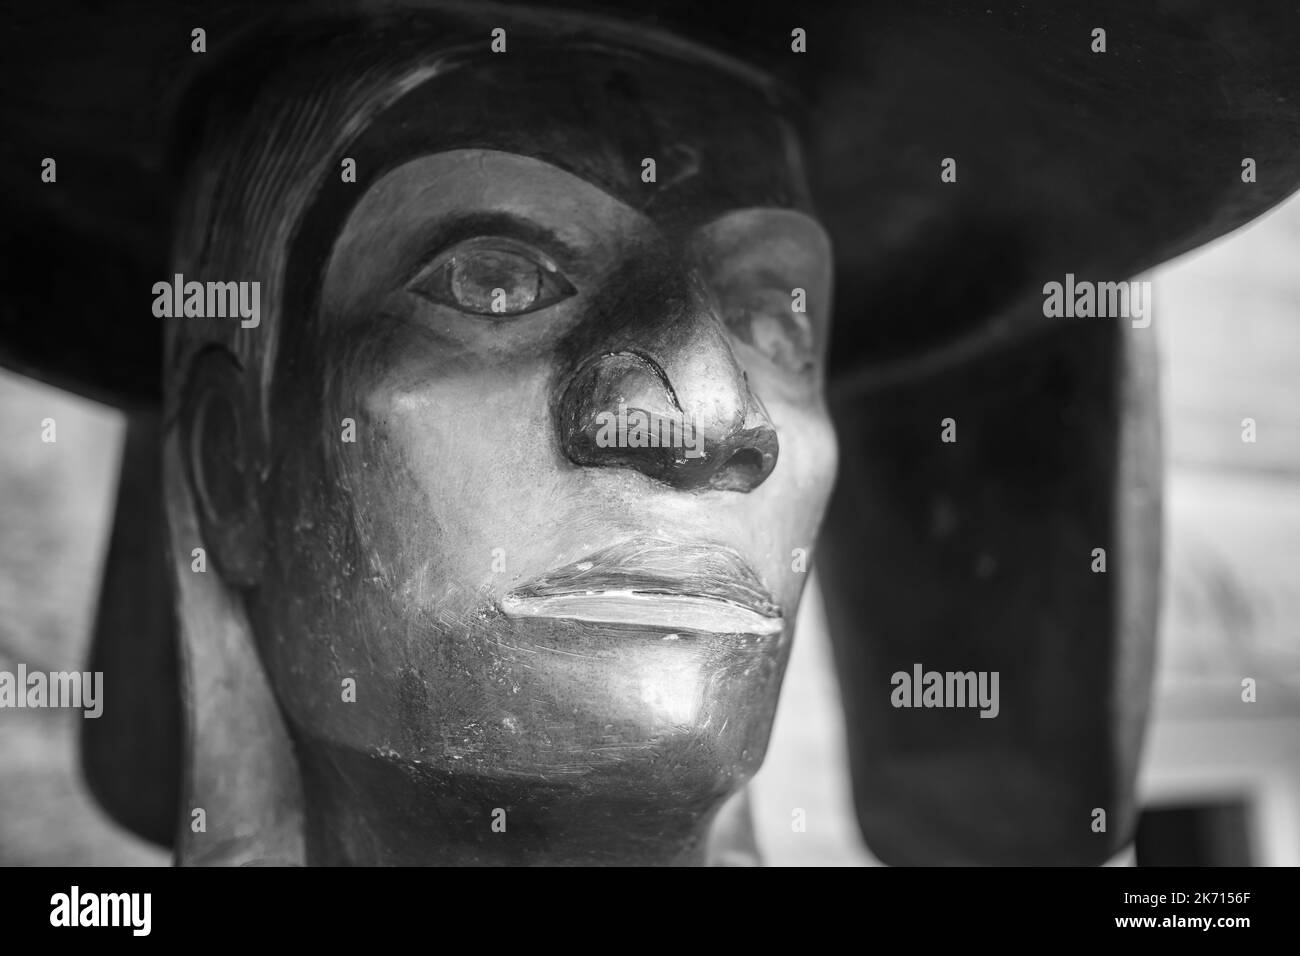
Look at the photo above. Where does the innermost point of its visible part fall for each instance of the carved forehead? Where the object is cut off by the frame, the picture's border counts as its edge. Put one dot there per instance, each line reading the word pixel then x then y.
pixel 717 142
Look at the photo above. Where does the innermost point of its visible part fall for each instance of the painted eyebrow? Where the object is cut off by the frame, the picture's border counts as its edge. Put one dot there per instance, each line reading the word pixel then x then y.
pixel 443 233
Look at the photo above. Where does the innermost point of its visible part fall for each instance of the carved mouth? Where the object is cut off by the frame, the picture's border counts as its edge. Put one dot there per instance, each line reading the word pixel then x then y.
pixel 653 583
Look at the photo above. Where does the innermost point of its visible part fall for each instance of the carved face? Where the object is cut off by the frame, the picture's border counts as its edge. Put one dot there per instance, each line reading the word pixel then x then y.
pixel 471 512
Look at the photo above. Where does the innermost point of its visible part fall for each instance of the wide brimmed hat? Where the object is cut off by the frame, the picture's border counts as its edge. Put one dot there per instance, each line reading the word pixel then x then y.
pixel 1090 138
pixel 962 155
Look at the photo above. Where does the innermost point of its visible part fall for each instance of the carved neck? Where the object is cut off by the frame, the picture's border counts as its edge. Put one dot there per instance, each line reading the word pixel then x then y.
pixel 364 809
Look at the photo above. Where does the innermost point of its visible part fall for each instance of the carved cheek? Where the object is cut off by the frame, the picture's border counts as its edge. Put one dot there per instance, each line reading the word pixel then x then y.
pixel 395 517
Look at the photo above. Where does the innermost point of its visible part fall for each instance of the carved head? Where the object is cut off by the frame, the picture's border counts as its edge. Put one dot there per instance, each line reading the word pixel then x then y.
pixel 512 491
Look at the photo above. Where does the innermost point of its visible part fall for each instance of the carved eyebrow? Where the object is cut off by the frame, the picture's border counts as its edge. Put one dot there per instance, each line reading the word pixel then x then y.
pixel 444 232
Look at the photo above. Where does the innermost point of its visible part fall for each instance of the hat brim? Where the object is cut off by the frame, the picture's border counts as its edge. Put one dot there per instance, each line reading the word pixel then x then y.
pixel 1067 160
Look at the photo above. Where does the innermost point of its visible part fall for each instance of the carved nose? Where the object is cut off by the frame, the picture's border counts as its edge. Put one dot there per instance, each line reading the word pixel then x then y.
pixel 689 421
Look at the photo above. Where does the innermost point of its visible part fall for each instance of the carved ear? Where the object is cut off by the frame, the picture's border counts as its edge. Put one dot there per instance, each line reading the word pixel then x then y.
pixel 241 799
pixel 223 452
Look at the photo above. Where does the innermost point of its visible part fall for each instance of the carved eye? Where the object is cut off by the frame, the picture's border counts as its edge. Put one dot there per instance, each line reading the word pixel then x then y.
pixel 493 276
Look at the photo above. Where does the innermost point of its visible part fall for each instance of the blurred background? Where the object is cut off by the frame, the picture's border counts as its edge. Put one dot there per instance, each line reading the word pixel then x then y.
pixel 1220 781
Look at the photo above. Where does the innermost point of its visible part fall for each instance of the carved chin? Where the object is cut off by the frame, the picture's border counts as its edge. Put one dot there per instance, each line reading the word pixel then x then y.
pixel 572 730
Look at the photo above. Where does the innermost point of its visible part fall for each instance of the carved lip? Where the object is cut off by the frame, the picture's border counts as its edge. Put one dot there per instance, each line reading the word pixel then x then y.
pixel 653 582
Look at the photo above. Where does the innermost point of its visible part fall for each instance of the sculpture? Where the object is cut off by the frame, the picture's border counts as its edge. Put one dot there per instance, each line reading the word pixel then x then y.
pixel 445 620
pixel 494 638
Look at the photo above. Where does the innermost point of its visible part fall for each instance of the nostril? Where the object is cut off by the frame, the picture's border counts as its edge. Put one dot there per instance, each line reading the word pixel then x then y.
pixel 746 460
pixel 744 470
